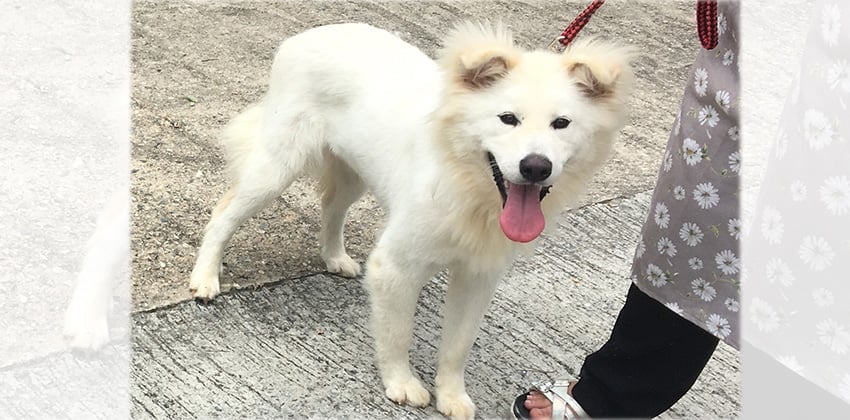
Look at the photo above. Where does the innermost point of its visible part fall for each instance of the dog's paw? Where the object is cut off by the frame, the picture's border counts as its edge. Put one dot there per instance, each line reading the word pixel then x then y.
pixel 86 331
pixel 204 288
pixel 343 265
pixel 409 392
pixel 456 406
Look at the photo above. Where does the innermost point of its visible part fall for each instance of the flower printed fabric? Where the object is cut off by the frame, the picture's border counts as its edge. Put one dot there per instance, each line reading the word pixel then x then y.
pixel 799 244
pixel 688 257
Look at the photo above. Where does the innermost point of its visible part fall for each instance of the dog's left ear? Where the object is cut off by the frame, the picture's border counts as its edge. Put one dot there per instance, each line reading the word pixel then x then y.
pixel 478 55
pixel 600 68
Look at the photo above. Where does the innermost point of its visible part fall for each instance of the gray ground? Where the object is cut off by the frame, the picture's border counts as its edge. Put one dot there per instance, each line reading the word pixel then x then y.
pixel 296 344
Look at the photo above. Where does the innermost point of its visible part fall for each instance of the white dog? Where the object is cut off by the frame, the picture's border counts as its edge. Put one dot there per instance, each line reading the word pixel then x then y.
pixel 359 108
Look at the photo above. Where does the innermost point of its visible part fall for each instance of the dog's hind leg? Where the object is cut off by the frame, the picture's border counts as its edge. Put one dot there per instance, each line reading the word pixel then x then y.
pixel 237 205
pixel 340 186
pixel 262 171
pixel 467 301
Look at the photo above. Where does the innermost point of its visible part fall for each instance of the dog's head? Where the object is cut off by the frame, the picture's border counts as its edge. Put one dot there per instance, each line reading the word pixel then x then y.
pixel 531 119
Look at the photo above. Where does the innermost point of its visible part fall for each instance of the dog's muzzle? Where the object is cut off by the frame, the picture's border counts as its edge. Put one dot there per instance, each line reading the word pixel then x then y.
pixel 499 179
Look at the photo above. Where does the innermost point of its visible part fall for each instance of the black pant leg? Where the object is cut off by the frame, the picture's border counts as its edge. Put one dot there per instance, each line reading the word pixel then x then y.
pixel 651 360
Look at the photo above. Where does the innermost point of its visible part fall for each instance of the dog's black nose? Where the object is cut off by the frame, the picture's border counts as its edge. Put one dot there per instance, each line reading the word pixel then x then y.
pixel 535 168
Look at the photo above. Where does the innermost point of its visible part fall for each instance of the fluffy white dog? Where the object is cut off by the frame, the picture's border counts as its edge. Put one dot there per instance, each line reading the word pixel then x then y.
pixel 460 152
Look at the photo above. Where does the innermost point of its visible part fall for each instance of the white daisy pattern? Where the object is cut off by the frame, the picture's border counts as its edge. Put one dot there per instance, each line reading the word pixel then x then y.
pixel 727 262
pixel 718 326
pixel 732 305
pixel 721 24
pixel 691 234
pixel 833 335
pixel 656 275
pixel 701 81
pixel 777 271
pixel 817 129
pixel 792 363
pixel 708 115
pixel 844 388
pixel 831 24
pixel 703 290
pixel 674 306
pixel 695 263
pixel 835 195
pixel 728 57
pixel 772 226
pixel 823 298
pixel 706 195
pixel 641 248
pixel 679 193
pixel 668 162
pixel 838 75
pixel 733 133
pixel 762 314
pixel 734 228
pixel 735 162
pixel 799 191
pixel 724 100
pixel 816 253
pixel 662 215
pixel 666 247
pixel 691 151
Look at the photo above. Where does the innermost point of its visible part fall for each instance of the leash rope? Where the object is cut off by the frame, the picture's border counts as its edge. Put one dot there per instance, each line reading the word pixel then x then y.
pixel 567 36
pixel 706 15
pixel 707 23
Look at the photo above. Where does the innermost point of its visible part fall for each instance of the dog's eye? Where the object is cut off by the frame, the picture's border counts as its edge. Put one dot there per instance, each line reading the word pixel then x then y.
pixel 509 118
pixel 560 122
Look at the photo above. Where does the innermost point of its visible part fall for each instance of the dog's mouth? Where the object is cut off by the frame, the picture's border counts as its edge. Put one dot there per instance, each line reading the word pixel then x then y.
pixel 522 217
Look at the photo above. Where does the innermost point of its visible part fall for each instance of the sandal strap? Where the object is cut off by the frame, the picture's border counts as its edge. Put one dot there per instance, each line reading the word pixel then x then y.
pixel 564 406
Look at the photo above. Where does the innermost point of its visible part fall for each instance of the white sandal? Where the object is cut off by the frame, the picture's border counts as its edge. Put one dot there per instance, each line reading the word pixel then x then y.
pixel 564 406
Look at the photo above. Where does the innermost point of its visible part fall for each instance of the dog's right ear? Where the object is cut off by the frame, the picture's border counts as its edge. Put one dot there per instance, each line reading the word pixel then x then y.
pixel 477 55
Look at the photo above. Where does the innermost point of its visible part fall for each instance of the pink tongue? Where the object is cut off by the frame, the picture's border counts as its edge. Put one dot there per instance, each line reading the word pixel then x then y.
pixel 521 218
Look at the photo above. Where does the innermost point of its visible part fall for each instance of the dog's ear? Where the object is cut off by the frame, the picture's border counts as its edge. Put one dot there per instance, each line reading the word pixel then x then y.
pixel 482 69
pixel 599 68
pixel 478 55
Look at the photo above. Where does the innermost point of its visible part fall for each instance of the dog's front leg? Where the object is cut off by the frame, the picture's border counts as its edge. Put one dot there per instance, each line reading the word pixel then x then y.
pixel 394 289
pixel 467 300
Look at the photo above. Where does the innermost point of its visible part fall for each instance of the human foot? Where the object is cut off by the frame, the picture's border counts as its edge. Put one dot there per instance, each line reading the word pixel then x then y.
pixel 538 403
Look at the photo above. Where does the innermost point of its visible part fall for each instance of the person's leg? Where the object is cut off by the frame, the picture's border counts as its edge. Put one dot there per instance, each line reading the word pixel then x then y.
pixel 651 360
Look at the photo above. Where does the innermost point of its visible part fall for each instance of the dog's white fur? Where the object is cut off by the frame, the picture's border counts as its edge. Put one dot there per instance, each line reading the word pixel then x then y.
pixel 359 108
pixel 105 263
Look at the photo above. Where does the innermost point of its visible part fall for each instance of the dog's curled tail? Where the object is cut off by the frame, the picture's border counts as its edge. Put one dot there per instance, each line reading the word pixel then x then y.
pixel 239 138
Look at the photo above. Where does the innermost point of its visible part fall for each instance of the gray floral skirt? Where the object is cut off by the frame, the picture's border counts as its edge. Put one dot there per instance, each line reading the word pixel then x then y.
pixel 687 257
pixel 798 240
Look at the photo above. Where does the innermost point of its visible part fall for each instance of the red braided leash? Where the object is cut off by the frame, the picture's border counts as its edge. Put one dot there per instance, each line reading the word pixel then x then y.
pixel 575 26
pixel 707 23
